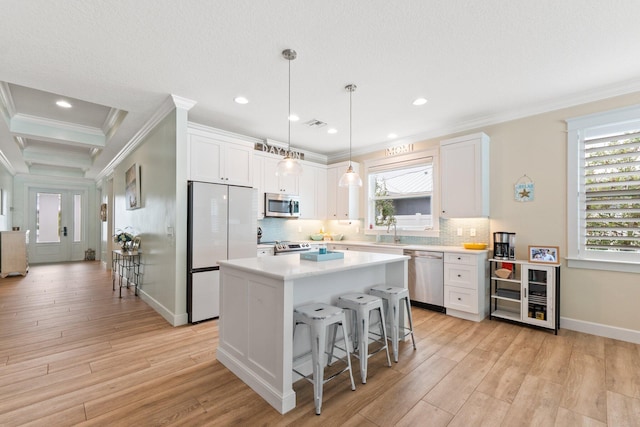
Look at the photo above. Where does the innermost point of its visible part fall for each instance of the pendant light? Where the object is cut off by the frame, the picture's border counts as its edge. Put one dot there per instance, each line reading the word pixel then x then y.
pixel 350 178
pixel 288 165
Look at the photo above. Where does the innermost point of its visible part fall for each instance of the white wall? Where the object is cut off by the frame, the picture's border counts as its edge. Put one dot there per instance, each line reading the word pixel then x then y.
pixel 156 156
pixel 600 302
pixel 6 184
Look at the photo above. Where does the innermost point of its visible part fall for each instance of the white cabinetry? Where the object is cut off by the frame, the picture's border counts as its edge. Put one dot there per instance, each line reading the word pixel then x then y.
pixel 464 169
pixel 13 252
pixel 273 183
pixel 466 294
pixel 525 292
pixel 343 203
pixel 312 188
pixel 219 158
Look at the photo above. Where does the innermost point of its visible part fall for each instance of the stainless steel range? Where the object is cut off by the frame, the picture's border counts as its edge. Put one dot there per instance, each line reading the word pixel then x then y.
pixel 284 248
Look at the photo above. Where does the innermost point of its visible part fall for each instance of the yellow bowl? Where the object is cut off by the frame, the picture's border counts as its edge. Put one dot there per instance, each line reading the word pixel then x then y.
pixel 475 245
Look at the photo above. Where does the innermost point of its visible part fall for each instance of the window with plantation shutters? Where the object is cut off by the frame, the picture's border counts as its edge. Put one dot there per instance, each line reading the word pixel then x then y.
pixel 612 193
pixel 604 190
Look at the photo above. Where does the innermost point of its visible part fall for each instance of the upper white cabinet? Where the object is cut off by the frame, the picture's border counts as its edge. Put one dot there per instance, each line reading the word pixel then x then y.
pixel 272 183
pixel 343 203
pixel 219 158
pixel 312 186
pixel 464 169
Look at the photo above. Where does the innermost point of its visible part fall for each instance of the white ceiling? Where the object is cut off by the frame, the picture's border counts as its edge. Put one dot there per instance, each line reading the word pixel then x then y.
pixel 477 62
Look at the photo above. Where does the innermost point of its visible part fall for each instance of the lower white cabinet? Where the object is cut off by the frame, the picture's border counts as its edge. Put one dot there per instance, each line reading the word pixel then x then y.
pixel 525 292
pixel 466 294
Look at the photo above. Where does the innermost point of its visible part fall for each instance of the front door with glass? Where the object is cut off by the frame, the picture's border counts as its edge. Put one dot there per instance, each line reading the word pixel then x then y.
pixel 56 221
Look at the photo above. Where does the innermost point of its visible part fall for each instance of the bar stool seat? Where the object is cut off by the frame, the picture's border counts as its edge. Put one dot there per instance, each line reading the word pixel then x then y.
pixel 319 317
pixel 393 297
pixel 361 306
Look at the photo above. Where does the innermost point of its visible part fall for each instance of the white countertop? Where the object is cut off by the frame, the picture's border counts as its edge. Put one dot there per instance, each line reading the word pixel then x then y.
pixel 289 267
pixel 451 249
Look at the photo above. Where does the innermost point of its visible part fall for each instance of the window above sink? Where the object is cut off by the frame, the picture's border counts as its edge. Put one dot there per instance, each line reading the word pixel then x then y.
pixel 400 193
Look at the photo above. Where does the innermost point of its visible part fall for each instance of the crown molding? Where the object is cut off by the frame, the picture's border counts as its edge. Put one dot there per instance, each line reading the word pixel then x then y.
pixel 168 105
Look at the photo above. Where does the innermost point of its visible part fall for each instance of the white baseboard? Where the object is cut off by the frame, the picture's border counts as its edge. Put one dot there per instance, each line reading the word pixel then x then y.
pixel 172 318
pixel 600 330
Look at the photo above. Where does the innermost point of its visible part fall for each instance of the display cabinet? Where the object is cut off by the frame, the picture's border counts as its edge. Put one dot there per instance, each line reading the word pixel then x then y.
pixel 14 253
pixel 525 292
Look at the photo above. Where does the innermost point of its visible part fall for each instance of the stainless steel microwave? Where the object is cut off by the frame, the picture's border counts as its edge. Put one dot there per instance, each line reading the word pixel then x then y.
pixel 281 205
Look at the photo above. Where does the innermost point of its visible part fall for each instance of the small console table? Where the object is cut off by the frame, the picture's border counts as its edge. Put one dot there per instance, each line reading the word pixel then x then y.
pixel 125 265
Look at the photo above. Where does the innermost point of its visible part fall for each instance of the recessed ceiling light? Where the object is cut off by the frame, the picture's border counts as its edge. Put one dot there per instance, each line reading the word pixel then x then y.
pixel 62 103
pixel 392 136
pixel 420 101
pixel 241 100
pixel 294 118
pixel 332 131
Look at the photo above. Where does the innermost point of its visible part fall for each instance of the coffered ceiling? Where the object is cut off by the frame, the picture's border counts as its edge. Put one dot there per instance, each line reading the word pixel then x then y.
pixel 476 63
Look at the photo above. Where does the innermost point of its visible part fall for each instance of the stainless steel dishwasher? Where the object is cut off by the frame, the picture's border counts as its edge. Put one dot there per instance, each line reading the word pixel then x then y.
pixel 426 279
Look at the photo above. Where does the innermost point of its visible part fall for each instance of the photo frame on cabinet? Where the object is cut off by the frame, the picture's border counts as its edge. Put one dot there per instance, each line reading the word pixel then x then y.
pixel 132 187
pixel 544 254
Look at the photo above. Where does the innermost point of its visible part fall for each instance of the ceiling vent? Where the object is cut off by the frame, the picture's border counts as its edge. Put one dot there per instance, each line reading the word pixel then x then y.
pixel 313 123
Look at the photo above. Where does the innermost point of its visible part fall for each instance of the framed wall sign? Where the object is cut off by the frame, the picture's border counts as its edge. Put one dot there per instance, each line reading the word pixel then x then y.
pixel 524 189
pixel 132 187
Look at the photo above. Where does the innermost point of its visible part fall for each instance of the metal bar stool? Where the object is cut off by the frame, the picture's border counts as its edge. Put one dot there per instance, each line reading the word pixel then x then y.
pixel 393 296
pixel 318 317
pixel 362 305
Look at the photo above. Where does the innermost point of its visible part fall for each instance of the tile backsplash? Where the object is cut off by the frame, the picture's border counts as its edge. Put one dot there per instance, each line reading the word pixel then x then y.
pixel 292 229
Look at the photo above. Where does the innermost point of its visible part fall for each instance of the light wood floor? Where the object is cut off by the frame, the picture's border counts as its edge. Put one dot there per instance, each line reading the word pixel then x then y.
pixel 73 353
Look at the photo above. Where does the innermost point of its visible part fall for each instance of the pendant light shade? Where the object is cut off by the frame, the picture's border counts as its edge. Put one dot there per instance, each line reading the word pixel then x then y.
pixel 350 178
pixel 288 165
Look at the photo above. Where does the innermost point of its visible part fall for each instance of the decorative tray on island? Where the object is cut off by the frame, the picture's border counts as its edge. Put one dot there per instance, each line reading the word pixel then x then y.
pixel 317 256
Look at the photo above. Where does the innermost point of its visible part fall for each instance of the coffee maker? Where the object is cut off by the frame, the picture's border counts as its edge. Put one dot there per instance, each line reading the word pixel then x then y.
pixel 504 245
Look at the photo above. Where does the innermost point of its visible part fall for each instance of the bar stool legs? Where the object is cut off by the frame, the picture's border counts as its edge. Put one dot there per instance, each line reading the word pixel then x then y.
pixel 393 296
pixel 318 317
pixel 362 305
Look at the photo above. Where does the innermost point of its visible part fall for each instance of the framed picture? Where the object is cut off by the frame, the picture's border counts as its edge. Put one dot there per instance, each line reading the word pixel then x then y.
pixel 544 254
pixel 103 212
pixel 135 244
pixel 132 187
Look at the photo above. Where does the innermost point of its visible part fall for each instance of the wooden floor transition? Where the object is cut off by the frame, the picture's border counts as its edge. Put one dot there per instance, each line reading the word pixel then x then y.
pixel 73 353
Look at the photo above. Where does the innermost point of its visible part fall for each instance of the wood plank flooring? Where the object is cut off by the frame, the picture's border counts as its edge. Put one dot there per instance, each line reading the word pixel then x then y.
pixel 73 353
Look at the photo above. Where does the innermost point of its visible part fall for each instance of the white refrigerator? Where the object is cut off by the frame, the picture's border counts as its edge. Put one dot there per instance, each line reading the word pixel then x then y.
pixel 221 224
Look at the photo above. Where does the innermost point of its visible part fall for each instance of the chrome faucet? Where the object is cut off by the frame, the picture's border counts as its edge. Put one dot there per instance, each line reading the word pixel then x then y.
pixel 391 222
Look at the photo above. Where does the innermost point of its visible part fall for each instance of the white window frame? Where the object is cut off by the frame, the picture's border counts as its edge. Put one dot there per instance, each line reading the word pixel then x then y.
pixel 579 128
pixel 402 161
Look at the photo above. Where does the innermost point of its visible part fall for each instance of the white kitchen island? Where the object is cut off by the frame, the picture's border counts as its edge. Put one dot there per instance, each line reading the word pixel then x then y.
pixel 257 298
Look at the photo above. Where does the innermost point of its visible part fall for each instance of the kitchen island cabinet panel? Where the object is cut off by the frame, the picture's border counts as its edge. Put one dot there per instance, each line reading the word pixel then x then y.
pixel 258 296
